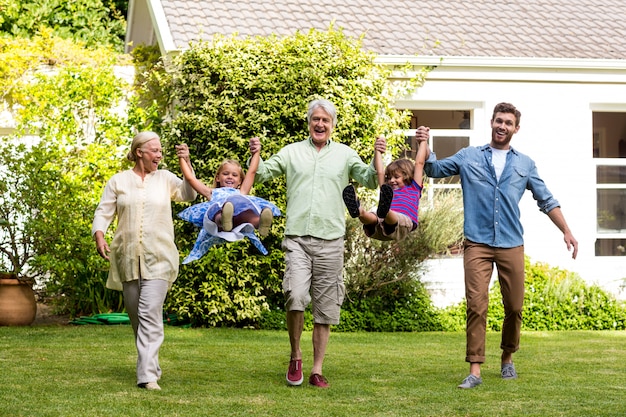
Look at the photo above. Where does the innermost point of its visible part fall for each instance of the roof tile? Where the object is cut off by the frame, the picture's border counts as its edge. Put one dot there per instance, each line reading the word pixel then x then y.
pixel 539 28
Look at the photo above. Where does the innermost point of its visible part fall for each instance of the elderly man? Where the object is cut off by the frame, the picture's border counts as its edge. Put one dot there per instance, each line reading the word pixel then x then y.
pixel 316 169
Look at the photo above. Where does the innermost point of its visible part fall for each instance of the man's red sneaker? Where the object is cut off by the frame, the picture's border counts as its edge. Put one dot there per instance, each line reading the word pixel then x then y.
pixel 294 374
pixel 318 381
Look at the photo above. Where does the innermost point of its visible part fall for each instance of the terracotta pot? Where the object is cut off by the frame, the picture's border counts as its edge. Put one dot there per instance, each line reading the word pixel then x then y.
pixel 18 306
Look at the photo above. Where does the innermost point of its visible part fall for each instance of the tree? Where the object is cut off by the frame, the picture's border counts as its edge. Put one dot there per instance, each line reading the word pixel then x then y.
pixel 68 142
pixel 93 22
pixel 230 89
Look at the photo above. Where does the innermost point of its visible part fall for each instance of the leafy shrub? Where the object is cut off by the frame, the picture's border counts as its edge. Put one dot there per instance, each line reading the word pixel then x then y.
pixel 275 319
pixel 88 21
pixel 560 300
pixel 554 299
pixel 404 307
pixel 52 185
pixel 384 291
pixel 229 90
pixel 218 290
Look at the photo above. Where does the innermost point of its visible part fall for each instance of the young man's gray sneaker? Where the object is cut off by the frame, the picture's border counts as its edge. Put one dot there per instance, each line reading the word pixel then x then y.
pixel 471 381
pixel 508 371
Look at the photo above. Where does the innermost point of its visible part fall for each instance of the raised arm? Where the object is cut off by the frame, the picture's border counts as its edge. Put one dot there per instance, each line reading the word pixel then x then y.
pixel 421 135
pixel 380 167
pixel 380 147
pixel 248 180
pixel 185 166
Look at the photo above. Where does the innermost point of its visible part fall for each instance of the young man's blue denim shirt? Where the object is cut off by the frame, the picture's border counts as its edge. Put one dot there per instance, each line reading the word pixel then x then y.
pixel 491 207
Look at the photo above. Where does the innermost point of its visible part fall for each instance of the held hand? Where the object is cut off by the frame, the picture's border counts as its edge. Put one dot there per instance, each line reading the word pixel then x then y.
pixel 255 145
pixel 381 144
pixel 422 134
pixel 182 151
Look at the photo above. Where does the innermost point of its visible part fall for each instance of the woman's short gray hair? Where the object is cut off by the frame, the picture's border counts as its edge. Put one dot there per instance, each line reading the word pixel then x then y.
pixel 328 107
pixel 139 140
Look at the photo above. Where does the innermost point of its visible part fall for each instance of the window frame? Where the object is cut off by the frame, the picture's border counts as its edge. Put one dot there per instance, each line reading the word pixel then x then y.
pixel 479 125
pixel 597 133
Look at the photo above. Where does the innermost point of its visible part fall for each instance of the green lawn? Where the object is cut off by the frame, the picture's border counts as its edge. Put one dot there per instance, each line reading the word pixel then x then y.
pixel 90 371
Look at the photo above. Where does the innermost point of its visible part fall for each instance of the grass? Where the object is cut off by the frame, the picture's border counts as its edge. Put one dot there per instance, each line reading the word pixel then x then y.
pixel 90 371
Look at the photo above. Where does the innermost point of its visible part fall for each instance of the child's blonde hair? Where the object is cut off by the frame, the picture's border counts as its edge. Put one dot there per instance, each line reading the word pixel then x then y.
pixel 402 166
pixel 221 167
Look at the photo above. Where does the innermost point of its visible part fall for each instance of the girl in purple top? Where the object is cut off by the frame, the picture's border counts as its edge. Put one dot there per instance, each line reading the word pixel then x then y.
pixel 400 192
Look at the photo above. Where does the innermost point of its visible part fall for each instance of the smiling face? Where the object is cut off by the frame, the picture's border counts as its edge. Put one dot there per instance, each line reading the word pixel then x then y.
pixel 503 127
pixel 399 173
pixel 320 127
pixel 149 156
pixel 229 175
pixel 395 180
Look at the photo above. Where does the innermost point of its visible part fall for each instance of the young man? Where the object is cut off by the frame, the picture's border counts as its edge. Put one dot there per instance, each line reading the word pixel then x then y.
pixel 494 178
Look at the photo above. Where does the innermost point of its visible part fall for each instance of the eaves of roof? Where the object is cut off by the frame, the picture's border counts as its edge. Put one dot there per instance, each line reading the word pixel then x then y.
pixel 604 71
pixel 581 34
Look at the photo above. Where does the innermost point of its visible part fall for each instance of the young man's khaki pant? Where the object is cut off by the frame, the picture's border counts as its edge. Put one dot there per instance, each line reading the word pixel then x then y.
pixel 479 260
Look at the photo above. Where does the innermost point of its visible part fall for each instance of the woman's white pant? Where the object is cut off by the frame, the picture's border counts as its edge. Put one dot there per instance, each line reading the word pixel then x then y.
pixel 144 300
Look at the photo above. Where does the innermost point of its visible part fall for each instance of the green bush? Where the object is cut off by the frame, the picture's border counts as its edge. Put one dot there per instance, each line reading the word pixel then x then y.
pixel 219 290
pixel 275 319
pixel 91 22
pixel 383 278
pixel 412 313
pixel 388 311
pixel 51 186
pixel 554 299
pixel 560 300
pixel 384 291
pixel 229 90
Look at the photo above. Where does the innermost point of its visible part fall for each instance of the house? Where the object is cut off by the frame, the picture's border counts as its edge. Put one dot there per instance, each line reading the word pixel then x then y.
pixel 563 64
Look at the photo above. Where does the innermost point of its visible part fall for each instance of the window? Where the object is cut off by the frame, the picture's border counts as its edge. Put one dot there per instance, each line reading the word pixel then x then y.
pixel 449 132
pixel 609 152
pixel 453 126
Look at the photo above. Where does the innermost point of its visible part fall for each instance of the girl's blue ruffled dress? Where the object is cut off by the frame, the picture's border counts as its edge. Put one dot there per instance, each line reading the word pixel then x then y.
pixel 202 214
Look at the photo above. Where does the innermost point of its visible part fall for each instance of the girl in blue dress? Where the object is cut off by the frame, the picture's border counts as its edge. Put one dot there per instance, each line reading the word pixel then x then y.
pixel 230 214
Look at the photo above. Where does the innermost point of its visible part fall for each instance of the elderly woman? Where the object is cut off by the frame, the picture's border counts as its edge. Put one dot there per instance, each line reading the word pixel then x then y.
pixel 143 256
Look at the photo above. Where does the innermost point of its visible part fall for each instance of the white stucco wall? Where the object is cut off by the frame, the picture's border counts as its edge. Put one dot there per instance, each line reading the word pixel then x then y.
pixel 556 102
